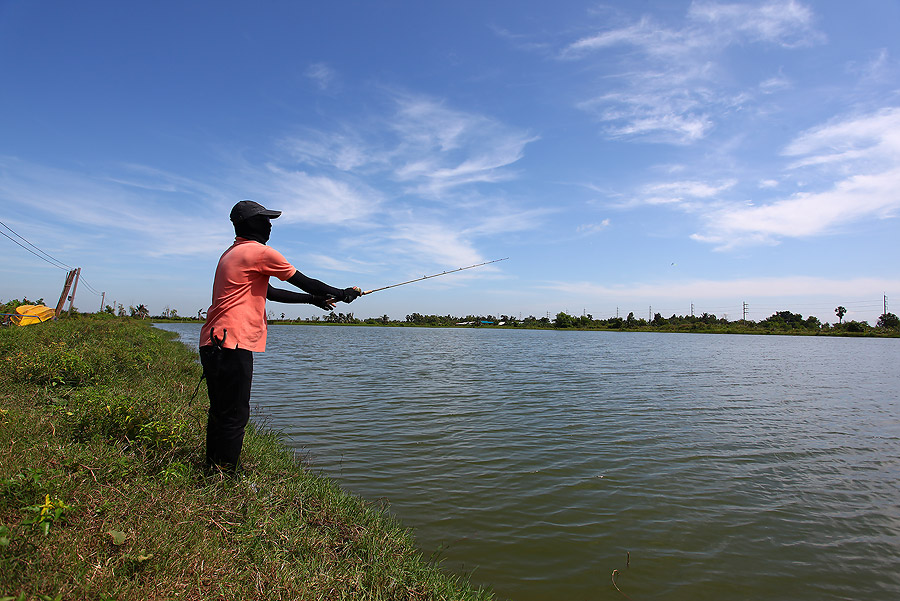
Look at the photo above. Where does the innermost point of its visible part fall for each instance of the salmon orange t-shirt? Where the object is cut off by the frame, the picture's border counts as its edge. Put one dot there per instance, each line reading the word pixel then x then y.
pixel 239 295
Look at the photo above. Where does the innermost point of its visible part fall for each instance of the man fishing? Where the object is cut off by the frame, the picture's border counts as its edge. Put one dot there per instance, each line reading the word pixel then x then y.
pixel 235 325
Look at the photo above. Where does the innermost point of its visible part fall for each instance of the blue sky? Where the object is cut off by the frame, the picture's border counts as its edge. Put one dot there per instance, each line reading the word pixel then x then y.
pixel 625 156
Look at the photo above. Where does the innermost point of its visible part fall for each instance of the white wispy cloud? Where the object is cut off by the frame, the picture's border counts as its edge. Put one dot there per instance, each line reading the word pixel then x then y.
pixel 164 216
pixel 735 289
pixel 443 241
pixel 498 218
pixel 329 262
pixel 436 243
pixel 856 162
pixel 341 150
pixel 379 169
pixel 690 195
pixel 316 199
pixel 644 34
pixel 323 75
pixel 882 67
pixel 788 24
pixel 866 142
pixel 427 147
pixel 588 229
pixel 669 85
pixel 356 179
pixel 683 192
pixel 774 84
pixel 440 148
pixel 806 214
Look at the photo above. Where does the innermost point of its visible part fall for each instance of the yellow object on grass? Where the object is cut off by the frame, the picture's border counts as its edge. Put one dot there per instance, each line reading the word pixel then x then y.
pixel 29 314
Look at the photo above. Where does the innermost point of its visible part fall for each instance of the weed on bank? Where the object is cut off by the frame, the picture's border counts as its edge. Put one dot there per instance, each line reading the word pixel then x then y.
pixel 102 493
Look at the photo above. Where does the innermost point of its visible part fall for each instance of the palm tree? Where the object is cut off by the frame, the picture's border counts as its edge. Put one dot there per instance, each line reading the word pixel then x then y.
pixel 840 312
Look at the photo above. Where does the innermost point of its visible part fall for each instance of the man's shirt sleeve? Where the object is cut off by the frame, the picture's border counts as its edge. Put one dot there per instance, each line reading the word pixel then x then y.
pixel 272 263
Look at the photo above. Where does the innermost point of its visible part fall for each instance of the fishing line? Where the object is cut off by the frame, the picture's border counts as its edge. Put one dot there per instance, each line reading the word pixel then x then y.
pixel 434 275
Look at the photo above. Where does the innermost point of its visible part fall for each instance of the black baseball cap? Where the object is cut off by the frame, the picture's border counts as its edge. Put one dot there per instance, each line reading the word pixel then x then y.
pixel 248 208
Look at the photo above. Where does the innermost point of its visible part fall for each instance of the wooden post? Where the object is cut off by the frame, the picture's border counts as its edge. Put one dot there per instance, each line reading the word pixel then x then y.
pixel 74 288
pixel 65 293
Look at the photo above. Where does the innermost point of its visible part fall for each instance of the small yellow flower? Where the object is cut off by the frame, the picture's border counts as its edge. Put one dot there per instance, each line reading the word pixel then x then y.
pixel 46 507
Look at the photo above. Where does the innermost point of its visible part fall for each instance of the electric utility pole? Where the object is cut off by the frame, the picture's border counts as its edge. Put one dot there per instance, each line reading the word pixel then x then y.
pixel 74 288
pixel 745 311
pixel 70 277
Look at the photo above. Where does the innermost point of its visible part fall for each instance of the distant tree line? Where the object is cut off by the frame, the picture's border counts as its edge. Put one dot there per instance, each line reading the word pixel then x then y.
pixel 781 321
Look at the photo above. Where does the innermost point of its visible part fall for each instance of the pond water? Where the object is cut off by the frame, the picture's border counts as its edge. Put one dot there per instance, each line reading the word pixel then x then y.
pixel 537 462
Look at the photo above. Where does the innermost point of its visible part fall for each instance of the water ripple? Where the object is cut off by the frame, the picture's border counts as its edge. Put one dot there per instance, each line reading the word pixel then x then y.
pixel 728 467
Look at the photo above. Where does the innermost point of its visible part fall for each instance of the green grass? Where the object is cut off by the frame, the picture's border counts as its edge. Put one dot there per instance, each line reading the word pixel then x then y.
pixel 102 493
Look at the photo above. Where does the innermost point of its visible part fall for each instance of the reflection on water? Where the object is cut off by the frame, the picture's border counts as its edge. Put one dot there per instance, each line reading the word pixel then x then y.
pixel 729 467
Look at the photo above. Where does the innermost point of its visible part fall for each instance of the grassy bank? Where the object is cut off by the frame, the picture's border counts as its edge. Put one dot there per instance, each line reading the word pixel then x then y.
pixel 102 495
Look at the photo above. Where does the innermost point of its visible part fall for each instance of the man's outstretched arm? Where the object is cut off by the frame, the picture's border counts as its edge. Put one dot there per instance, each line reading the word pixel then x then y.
pixel 286 296
pixel 317 288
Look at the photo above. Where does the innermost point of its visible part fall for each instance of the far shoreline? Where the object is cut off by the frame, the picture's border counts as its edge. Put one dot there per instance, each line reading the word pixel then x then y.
pixel 748 329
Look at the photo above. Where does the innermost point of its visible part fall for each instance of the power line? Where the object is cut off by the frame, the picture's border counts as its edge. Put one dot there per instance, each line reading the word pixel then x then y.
pixel 32 252
pixel 91 288
pixel 47 256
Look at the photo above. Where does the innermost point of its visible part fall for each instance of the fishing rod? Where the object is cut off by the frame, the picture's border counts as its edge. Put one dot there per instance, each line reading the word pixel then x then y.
pixel 434 275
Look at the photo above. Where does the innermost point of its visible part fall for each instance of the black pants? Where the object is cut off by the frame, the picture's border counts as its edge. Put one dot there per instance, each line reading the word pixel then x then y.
pixel 229 373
